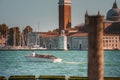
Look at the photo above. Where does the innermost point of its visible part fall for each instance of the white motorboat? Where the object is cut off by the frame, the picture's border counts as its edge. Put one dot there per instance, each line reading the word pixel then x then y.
pixel 42 57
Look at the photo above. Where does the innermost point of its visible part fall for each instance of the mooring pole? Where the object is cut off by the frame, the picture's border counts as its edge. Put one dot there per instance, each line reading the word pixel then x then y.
pixel 95 48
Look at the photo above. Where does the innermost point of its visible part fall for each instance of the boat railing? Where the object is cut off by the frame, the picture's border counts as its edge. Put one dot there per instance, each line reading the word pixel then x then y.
pixel 45 56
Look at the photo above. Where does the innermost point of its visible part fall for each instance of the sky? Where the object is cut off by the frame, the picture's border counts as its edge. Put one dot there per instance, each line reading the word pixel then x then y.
pixel 42 15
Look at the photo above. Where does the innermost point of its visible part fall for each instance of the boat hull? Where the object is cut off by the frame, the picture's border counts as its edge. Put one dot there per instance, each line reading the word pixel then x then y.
pixel 31 58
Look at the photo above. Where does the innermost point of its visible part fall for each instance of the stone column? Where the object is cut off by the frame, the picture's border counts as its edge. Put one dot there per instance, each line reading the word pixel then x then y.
pixel 95 48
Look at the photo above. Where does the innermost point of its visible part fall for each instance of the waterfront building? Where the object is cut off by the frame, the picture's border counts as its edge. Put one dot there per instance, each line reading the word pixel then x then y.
pixel 112 28
pixel 112 20
pixel 33 39
pixel 49 40
pixel 111 41
pixel 76 38
pixel 77 41
pixel 42 39
pixel 73 41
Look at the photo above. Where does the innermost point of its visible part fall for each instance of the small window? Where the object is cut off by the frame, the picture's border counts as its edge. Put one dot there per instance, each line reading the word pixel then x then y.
pixel 116 45
pixel 109 40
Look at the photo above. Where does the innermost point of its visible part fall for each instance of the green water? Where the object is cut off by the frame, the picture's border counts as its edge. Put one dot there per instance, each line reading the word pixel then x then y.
pixel 74 64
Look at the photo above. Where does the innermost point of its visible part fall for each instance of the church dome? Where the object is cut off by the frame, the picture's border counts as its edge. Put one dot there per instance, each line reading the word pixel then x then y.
pixel 114 13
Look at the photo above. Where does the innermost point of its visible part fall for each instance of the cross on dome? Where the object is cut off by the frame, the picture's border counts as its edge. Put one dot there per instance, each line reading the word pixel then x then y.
pixel 115 5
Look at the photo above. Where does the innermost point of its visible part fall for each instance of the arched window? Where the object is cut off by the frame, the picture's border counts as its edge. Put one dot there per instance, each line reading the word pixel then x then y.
pixel 68 46
pixel 80 47
pixel 50 46
pixel 44 46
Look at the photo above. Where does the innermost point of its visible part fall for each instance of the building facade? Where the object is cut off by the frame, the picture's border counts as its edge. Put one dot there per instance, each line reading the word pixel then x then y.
pixel 111 41
pixel 75 41
pixel 33 39
pixel 49 42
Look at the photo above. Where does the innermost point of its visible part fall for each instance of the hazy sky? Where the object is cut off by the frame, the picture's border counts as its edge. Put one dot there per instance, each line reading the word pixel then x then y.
pixel 45 12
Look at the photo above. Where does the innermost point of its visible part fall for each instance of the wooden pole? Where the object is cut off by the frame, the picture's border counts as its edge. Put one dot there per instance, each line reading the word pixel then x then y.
pixel 95 48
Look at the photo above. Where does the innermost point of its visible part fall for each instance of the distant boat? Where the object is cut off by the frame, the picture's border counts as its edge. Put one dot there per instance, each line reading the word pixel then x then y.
pixel 42 57
pixel 35 47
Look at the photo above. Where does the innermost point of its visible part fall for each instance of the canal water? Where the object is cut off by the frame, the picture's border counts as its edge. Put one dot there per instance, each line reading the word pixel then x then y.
pixel 74 64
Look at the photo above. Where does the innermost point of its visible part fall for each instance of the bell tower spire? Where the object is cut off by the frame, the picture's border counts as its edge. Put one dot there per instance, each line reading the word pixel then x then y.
pixel 64 14
pixel 115 5
pixel 86 18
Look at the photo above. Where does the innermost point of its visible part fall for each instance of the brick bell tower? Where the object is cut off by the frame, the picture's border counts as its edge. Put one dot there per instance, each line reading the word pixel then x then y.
pixel 64 14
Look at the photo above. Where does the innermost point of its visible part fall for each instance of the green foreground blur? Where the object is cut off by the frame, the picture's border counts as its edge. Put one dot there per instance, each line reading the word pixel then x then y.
pixel 50 77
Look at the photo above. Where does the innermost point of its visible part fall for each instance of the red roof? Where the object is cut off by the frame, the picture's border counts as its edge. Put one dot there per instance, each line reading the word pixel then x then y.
pixel 77 34
pixel 49 34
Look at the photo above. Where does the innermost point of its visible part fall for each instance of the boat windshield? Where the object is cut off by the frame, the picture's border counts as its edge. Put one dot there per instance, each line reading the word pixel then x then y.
pixel 33 54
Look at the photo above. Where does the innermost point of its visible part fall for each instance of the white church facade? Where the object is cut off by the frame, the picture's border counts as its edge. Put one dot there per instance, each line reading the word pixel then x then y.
pixel 77 41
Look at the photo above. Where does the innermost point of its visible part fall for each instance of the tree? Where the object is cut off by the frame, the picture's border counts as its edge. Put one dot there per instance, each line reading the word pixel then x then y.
pixel 14 36
pixel 26 31
pixel 4 30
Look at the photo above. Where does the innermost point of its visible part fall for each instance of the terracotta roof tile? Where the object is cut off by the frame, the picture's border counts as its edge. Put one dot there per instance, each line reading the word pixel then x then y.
pixel 78 34
pixel 49 34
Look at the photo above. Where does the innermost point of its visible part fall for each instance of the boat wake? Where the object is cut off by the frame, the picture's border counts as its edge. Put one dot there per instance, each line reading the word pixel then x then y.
pixel 72 62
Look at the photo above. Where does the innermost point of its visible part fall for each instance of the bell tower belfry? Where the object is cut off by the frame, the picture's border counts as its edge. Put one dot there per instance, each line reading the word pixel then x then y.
pixel 64 14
